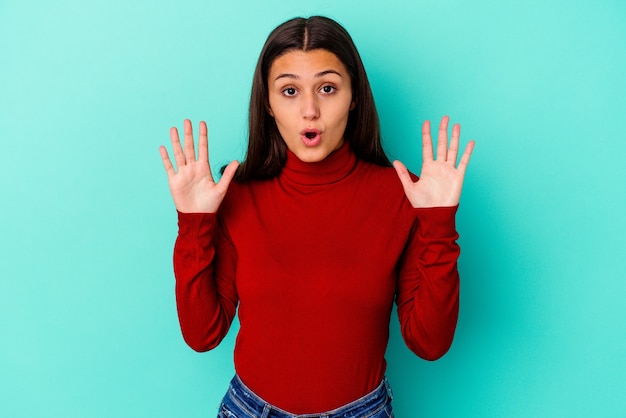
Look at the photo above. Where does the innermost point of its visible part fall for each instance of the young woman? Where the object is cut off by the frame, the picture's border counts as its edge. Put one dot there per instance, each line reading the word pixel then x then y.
pixel 315 237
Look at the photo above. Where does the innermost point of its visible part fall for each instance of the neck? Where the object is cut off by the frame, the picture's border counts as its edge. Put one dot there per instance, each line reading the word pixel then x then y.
pixel 335 167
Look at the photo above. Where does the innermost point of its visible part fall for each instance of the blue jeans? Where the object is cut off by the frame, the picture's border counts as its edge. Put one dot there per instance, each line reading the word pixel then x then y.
pixel 241 402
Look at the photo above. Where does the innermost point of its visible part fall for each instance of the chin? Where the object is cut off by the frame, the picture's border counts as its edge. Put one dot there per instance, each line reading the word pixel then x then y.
pixel 314 154
pixel 311 157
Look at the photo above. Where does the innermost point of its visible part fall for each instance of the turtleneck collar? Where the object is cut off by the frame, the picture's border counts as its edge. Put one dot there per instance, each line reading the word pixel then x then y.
pixel 331 169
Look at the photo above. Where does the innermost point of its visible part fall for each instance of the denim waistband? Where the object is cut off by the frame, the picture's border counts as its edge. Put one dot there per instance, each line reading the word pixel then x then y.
pixel 255 406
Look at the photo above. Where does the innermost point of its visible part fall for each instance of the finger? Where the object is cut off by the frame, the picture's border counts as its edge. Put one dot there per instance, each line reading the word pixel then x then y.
pixel 442 140
pixel 179 157
pixel 169 169
pixel 453 151
pixel 227 176
pixel 427 142
pixel 403 175
pixel 465 158
pixel 203 143
pixel 190 153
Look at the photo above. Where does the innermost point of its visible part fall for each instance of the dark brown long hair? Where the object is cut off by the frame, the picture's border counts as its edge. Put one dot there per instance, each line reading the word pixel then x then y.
pixel 267 151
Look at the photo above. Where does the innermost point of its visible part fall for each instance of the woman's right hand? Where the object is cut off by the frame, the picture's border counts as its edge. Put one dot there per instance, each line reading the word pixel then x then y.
pixel 191 184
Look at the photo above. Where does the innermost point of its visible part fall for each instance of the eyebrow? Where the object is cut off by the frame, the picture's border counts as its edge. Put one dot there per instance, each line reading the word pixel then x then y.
pixel 296 77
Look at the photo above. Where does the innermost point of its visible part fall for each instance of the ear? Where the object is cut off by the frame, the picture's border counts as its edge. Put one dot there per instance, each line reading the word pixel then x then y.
pixel 269 110
pixel 353 105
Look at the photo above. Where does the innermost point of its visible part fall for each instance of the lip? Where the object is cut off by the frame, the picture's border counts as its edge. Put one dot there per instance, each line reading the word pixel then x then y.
pixel 311 136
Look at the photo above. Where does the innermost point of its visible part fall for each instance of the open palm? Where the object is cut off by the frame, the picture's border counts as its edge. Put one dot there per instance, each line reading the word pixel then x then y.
pixel 191 184
pixel 441 180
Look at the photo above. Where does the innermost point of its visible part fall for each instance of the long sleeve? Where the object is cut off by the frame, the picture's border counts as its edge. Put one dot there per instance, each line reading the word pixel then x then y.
pixel 428 283
pixel 311 260
pixel 204 266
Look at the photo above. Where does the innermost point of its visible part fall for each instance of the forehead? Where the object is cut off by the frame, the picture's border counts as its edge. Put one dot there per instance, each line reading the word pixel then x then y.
pixel 306 63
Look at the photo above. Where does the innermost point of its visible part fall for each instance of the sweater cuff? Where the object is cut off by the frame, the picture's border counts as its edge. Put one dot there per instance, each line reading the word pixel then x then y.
pixel 437 222
pixel 196 224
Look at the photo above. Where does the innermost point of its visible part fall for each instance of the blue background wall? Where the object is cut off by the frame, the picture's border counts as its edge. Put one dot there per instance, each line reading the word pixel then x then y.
pixel 88 91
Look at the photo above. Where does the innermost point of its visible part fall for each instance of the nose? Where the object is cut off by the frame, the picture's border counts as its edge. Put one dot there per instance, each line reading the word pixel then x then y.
pixel 309 107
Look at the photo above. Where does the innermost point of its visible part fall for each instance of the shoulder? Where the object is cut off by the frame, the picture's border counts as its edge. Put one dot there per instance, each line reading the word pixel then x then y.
pixel 242 196
pixel 238 189
pixel 381 177
pixel 384 188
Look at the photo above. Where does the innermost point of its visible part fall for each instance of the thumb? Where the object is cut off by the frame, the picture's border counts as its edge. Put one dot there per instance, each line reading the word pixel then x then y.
pixel 227 176
pixel 403 175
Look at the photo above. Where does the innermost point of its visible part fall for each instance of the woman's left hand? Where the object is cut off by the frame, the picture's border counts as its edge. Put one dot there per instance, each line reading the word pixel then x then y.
pixel 441 180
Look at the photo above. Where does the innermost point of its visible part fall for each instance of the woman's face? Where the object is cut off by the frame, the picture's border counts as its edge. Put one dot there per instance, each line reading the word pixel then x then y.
pixel 310 97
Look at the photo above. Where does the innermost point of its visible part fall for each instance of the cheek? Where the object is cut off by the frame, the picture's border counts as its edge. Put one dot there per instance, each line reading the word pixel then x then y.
pixel 276 107
pixel 341 112
pixel 281 112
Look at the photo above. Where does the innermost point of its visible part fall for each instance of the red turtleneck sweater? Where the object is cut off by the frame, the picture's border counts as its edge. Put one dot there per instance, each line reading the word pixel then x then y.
pixel 313 259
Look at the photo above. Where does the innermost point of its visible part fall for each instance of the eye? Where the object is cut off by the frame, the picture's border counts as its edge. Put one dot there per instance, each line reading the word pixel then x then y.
pixel 328 89
pixel 289 91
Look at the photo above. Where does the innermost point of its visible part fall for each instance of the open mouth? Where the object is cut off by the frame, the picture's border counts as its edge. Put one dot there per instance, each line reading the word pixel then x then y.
pixel 311 137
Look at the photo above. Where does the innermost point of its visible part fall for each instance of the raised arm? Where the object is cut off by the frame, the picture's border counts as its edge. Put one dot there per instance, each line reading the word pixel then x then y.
pixel 428 283
pixel 204 258
pixel 428 279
